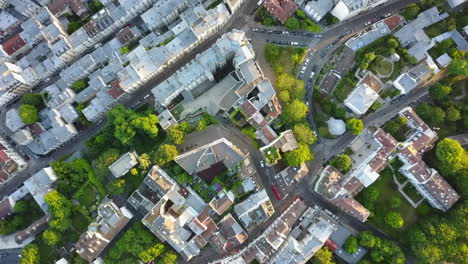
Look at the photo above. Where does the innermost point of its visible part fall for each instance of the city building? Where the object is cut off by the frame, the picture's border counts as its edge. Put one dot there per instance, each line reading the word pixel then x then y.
pixel 6 207
pixel 222 201
pixel 15 81
pixel 409 80
pixel 281 9
pixel 10 161
pixel 317 9
pixel 345 9
pixel 256 209
pixel 365 94
pixel 124 164
pixel 109 222
pixel 33 230
pixel 336 127
pixel 427 181
pixel 40 184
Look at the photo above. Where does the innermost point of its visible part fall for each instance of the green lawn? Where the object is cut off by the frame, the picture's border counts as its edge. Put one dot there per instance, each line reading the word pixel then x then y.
pixel 80 222
pixel 440 27
pixel 388 190
pixel 412 193
pixel 384 67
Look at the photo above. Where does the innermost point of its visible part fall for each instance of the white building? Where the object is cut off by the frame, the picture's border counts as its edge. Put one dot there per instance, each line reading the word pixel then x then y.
pixel 124 164
pixel 14 81
pixel 254 210
pixel 40 184
pixel 365 94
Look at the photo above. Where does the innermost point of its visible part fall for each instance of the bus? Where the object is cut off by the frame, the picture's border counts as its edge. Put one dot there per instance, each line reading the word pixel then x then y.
pixel 276 193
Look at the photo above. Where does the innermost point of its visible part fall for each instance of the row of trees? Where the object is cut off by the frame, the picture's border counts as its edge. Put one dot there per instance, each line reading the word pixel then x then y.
pixel 301 21
pixel 380 250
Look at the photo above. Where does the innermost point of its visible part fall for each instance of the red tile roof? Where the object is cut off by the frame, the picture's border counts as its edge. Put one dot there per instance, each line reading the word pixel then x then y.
pixel 267 133
pixel 4 156
pixel 115 91
pixel 3 175
pixel 281 9
pixel 393 22
pixel 13 44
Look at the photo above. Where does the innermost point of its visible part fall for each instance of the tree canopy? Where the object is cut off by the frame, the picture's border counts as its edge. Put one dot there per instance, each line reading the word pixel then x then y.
pixel 60 208
pixel 380 251
pixel 342 163
pixel 295 87
pixel 451 156
pixel 304 134
pixel 272 52
pixel 28 114
pixel 394 220
pixel 294 112
pixel 175 135
pixel 458 67
pixel 34 99
pixel 355 126
pixel 298 156
pixel 30 254
pixel 164 154
pixel 127 123
pixel 292 23
pixel 323 256
pixel 351 245
pixel 51 237
pixel 433 115
pixel 440 92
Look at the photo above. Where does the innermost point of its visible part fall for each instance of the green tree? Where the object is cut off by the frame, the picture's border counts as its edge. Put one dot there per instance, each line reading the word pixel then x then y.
pixel 411 11
pixel 452 114
pixel 295 87
pixel 392 43
pixel 296 157
pixel 272 52
pixel 106 159
pixel 21 206
pixel 145 161
pixel 292 23
pixel 294 112
pixel 34 99
pixel 95 6
pixel 28 114
pixel 351 245
pixel 79 85
pixel 367 239
pixel 370 195
pixel 433 115
pixel 440 92
pixel 458 67
pixel 134 171
pixel 304 134
pixel 169 257
pixel 60 208
pixel 284 96
pixel 175 136
pixel 116 187
pixel 30 255
pixel 51 237
pixel 394 220
pixel 165 154
pixel 124 49
pixel 323 256
pixel 355 126
pixel 368 58
pixel 201 125
pixel 152 253
pixel 395 202
pixel 451 156
pixel 342 163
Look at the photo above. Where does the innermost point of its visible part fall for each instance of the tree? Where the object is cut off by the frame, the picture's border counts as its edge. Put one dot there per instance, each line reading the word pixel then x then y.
pixel 145 161
pixel 392 43
pixel 95 6
pixel 106 159
pixel 284 96
pixel 370 195
pixel 355 126
pixel 272 52
pixel 60 208
pixel 152 253
pixel 339 112
pixel 367 239
pixel 295 87
pixel 124 49
pixel 34 99
pixel 134 171
pixel 294 112
pixel 21 206
pixel 351 245
pixel 30 254
pixel 368 58
pixel 51 237
pixel 147 124
pixel 433 115
pixel 323 256
pixel 304 134
pixel 395 202
pixel 296 157
pixel 165 154
pixel 292 23
pixel 451 156
pixel 452 114
pixel 116 187
pixel 440 92
pixel 28 114
pixel 394 220
pixel 342 163
pixel 201 125
pixel 169 257
pixel 175 136
pixel 458 67
pixel 411 11
pixel 79 85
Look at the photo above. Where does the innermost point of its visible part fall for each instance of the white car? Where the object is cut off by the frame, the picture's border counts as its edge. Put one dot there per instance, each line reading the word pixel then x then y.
pixel 311 74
